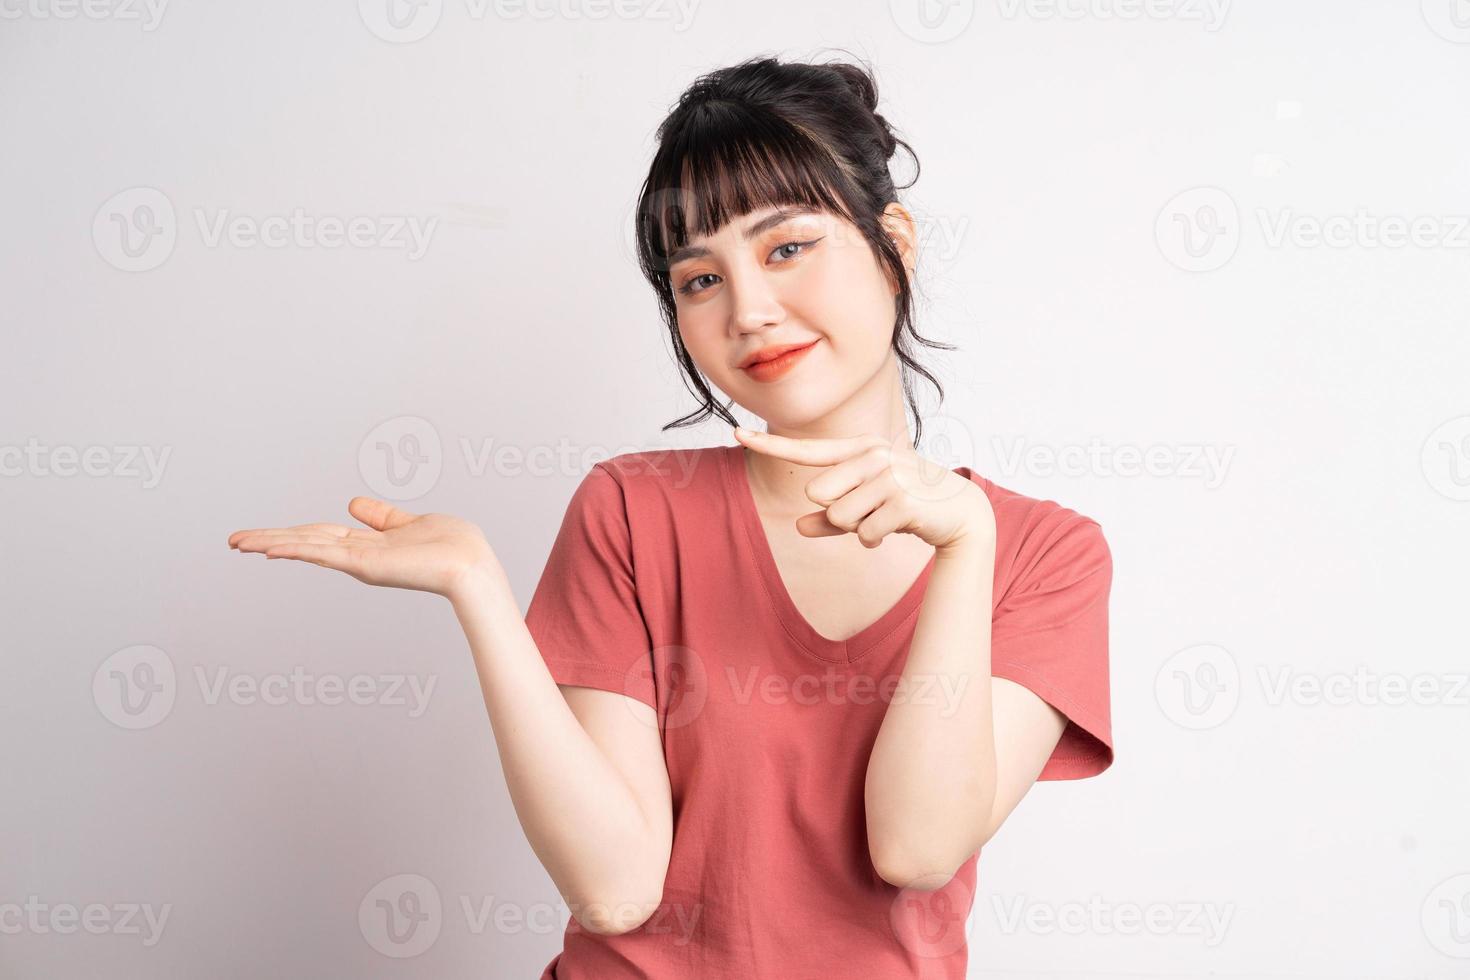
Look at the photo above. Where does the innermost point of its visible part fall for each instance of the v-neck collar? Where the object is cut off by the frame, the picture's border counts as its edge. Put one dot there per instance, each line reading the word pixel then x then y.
pixel 737 482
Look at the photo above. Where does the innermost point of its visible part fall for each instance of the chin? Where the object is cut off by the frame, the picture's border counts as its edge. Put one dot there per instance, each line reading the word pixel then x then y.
pixel 794 409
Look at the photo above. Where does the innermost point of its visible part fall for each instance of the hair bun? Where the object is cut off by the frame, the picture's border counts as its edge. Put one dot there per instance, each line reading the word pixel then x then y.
pixel 861 83
pixel 890 141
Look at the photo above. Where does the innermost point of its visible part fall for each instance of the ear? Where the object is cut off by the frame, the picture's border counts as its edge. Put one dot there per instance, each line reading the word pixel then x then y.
pixel 901 228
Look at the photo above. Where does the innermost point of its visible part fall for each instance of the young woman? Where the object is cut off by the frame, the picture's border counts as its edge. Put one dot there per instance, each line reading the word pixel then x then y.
pixel 769 699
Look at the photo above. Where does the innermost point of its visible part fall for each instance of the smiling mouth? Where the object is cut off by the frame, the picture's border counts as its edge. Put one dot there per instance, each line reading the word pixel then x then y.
pixel 775 367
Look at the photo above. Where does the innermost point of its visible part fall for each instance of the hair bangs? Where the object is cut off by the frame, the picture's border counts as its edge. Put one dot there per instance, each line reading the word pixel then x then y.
pixel 732 163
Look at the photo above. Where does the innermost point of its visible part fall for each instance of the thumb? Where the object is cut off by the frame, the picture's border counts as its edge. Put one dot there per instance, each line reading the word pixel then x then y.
pixel 378 514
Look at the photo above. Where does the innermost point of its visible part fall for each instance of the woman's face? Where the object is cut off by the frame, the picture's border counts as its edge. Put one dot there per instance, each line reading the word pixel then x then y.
pixel 786 277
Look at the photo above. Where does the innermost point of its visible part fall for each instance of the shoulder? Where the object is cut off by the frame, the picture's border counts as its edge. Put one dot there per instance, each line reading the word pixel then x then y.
pixel 655 482
pixel 1041 543
pixel 666 470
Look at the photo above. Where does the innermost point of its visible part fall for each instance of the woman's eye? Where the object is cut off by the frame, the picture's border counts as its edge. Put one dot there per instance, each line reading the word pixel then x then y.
pixel 796 245
pixel 690 287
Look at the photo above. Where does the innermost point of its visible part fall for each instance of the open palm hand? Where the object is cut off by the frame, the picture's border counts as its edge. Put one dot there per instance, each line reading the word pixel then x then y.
pixel 397 549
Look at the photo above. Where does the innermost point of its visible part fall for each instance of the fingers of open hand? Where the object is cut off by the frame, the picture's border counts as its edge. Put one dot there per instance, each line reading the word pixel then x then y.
pixel 261 541
pixel 336 532
pixel 339 556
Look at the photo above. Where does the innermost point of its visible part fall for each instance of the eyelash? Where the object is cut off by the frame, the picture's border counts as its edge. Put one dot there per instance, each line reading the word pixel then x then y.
pixel 686 289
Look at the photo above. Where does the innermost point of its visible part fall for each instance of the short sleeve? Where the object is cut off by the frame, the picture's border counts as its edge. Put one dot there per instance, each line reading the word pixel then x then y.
pixel 584 614
pixel 1050 634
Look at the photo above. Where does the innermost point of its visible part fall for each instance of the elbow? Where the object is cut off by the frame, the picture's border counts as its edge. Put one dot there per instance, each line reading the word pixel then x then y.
pixel 623 896
pixel 614 918
pixel 917 851
pixel 921 865
pixel 916 871
pixel 605 915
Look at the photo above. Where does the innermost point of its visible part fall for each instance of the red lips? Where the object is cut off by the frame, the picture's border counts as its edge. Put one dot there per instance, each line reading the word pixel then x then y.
pixel 786 357
pixel 773 352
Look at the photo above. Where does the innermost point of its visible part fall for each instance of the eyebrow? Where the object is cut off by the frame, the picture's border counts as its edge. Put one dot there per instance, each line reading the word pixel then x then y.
pixel 756 228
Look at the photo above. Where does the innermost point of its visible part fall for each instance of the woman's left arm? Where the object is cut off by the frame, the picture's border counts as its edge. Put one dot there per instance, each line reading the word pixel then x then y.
pixel 958 748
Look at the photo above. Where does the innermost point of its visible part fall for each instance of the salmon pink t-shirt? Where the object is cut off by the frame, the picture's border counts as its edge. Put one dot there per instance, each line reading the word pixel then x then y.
pixel 661 585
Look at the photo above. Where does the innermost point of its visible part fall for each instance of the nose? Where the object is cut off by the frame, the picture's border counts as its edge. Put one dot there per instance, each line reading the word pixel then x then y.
pixel 754 305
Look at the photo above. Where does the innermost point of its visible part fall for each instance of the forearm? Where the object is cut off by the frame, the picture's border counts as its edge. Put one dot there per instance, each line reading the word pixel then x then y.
pixel 579 815
pixel 931 776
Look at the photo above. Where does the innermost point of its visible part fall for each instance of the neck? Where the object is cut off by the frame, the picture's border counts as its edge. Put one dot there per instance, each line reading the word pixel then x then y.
pixel 877 408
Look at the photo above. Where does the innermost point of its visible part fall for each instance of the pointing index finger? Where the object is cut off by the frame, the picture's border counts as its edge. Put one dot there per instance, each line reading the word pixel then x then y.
pixel 810 452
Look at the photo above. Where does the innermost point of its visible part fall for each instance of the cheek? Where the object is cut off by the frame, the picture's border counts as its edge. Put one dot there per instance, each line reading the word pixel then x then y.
pixel 704 342
pixel 850 300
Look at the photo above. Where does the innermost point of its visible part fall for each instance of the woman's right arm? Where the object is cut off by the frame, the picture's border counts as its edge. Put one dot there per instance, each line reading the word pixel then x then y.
pixel 584 767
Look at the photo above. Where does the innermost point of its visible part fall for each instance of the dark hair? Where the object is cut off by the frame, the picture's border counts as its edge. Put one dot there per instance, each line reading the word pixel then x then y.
pixel 763 133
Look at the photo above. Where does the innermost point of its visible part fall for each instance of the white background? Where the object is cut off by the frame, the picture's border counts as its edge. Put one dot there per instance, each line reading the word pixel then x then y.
pixel 1120 204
